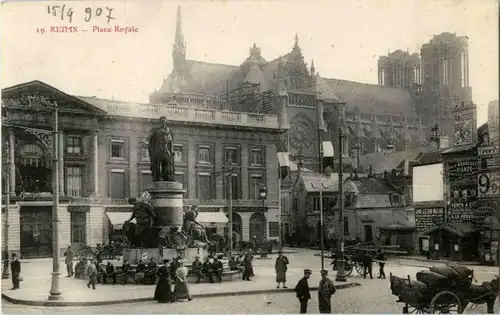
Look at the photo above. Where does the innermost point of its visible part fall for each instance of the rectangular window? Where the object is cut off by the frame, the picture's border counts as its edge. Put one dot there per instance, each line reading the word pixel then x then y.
pixel 204 156
pixel 146 180
pixel 231 155
pixel 205 186
pixel 74 181
pixel 255 181
pixel 117 149
pixel 144 150
pixel 274 229
pixel 235 187
pixel 346 225
pixel 117 184
pixel 73 145
pixel 78 227
pixel 178 156
pixel 255 157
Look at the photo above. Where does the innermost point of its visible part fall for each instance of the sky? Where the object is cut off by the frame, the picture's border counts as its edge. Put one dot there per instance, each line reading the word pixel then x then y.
pixel 345 39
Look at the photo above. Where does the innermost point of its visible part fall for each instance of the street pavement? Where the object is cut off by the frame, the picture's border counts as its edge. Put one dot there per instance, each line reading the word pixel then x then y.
pixel 372 296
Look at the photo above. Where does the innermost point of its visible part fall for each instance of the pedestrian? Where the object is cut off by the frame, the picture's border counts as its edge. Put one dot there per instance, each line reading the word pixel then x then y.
pixel 181 284
pixel 281 266
pixel 247 264
pixel 381 264
pixel 302 291
pixel 196 267
pixel 92 274
pixel 326 289
pixel 163 291
pixel 217 268
pixel 110 272
pixel 68 260
pixel 15 268
pixel 367 266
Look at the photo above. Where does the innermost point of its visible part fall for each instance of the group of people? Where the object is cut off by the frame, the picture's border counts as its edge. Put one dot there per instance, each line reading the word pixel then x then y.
pixel 172 282
pixel 368 264
pixel 326 289
pixel 210 268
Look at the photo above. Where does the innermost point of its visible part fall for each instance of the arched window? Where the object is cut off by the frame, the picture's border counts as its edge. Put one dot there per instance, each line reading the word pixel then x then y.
pixel 237 225
pixel 34 168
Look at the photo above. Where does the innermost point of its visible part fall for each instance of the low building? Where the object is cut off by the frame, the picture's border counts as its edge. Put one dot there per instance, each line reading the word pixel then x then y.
pixel 103 161
pixel 374 210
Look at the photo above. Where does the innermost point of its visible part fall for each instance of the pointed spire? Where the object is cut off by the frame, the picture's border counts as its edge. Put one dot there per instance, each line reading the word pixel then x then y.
pixel 179 49
pixel 296 42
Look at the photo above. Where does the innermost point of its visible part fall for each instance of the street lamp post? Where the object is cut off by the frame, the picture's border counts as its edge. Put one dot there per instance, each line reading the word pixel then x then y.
pixel 230 208
pixel 55 293
pixel 6 165
pixel 341 276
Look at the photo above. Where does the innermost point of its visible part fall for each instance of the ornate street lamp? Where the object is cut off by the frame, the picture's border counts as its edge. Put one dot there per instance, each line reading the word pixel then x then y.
pixel 6 165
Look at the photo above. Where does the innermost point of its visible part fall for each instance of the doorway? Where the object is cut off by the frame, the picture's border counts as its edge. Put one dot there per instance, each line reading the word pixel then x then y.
pixel 36 231
pixel 368 233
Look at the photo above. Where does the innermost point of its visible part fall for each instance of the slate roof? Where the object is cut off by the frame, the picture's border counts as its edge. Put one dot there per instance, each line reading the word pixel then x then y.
pixel 372 186
pixel 368 97
pixel 314 182
pixel 381 162
pixel 205 78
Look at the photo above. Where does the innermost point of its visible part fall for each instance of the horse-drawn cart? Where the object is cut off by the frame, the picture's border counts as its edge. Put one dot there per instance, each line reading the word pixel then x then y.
pixel 443 290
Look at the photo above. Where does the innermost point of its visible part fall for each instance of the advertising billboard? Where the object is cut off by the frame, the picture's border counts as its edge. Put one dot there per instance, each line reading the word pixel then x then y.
pixel 428 183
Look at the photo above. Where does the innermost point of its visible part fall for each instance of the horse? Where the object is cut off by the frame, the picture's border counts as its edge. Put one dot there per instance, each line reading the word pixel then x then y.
pixel 485 293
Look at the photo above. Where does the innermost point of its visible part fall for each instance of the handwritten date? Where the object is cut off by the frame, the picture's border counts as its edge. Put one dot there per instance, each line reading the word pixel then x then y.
pixel 65 12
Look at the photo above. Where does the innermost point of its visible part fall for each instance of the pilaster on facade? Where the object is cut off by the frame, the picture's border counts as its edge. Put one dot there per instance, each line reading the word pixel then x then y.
pixel 95 163
pixel 12 162
pixel 245 152
pixel 14 240
pixel 64 228
pixel 245 225
pixel 60 152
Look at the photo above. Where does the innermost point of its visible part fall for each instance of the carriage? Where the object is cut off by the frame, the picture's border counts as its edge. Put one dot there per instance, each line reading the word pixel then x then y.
pixel 354 257
pixel 443 290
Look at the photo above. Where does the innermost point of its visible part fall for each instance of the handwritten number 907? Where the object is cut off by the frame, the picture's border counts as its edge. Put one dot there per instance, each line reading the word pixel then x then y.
pixel 98 12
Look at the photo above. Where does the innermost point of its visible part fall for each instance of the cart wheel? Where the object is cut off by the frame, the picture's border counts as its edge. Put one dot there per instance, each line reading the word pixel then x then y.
pixel 445 302
pixel 348 266
pixel 412 310
pixel 359 268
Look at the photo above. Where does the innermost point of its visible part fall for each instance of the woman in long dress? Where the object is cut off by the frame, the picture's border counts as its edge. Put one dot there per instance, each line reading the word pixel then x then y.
pixel 181 284
pixel 163 291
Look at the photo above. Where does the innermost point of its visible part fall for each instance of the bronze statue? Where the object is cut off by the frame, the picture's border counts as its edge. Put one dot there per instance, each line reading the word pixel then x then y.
pixel 161 151
pixel 144 214
pixel 175 239
pixel 196 232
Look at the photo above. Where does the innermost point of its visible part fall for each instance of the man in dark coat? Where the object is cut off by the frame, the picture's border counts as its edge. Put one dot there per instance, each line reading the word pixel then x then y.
pixel 208 269
pixel 68 259
pixel 217 269
pixel 196 267
pixel 367 265
pixel 381 263
pixel 326 289
pixel 247 263
pixel 110 272
pixel 126 271
pixel 15 268
pixel 302 291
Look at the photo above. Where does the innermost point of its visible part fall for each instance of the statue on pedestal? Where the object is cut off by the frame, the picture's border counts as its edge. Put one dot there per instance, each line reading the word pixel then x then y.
pixel 196 232
pixel 143 231
pixel 161 151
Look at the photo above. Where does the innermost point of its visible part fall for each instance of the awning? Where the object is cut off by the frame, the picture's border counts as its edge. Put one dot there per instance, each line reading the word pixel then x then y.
pixel 212 217
pixel 118 218
pixel 459 229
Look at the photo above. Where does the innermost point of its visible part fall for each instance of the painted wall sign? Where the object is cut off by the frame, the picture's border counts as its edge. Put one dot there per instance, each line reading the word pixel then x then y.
pixel 428 217
pixel 488 157
pixel 462 170
pixel 460 212
pixel 464 127
pixel 487 185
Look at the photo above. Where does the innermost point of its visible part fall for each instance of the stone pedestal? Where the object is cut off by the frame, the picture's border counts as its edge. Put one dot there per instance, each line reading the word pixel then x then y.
pixel 166 198
pixel 188 256
pixel 133 255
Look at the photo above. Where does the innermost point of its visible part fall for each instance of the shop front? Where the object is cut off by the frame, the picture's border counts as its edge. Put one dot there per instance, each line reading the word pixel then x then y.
pixel 453 241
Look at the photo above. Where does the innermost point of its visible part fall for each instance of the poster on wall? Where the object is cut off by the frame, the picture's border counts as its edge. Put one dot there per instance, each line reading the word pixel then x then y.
pixel 464 127
pixel 487 185
pixel 428 217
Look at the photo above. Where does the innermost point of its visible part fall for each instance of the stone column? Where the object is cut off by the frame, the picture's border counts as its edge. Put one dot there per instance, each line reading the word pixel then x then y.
pixel 62 184
pixel 95 163
pixel 12 158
